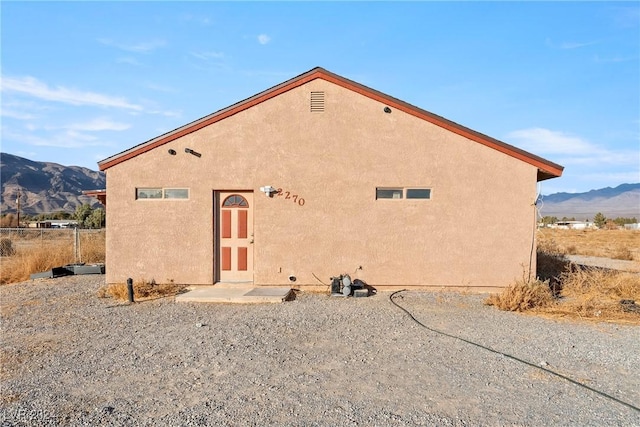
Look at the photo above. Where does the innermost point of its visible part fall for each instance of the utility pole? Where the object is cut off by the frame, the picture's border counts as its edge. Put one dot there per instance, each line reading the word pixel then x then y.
pixel 18 201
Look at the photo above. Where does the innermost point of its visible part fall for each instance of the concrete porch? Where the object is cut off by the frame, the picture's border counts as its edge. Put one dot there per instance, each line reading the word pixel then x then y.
pixel 236 294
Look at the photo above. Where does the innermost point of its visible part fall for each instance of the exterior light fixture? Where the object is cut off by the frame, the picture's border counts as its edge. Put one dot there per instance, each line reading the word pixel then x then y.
pixel 387 110
pixel 172 152
pixel 268 190
pixel 190 151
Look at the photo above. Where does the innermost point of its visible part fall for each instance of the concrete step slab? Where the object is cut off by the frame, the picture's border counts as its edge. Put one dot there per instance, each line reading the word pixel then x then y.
pixel 236 295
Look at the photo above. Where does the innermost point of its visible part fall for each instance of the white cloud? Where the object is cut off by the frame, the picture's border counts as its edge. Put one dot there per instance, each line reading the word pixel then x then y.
pixel 204 55
pixel 631 176
pixel 128 60
pixel 26 154
pixel 614 59
pixel 202 20
pixel 98 124
pixel 569 149
pixel 569 45
pixel 167 113
pixel 33 87
pixel 264 39
pixel 161 88
pixel 139 47
pixel 549 141
pixel 66 139
pixel 575 45
pixel 15 114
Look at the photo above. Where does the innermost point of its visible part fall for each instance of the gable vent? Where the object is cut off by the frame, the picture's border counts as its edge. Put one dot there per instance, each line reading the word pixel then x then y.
pixel 317 102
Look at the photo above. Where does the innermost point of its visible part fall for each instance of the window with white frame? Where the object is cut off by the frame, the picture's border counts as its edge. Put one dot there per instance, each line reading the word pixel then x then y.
pixel 403 193
pixel 389 193
pixel 155 193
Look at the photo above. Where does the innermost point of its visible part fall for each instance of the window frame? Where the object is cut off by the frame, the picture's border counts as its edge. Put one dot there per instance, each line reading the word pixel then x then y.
pixel 162 192
pixel 404 193
pixel 389 190
pixel 421 189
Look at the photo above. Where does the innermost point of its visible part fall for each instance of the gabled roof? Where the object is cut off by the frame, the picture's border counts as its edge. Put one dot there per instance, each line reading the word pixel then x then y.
pixel 546 169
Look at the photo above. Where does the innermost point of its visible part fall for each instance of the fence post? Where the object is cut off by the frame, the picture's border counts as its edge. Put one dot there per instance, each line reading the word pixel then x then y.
pixel 76 245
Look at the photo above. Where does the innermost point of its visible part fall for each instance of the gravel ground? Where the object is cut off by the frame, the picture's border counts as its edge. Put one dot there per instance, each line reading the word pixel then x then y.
pixel 71 358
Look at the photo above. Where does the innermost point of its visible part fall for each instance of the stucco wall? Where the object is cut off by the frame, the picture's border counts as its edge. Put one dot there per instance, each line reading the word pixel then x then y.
pixel 475 231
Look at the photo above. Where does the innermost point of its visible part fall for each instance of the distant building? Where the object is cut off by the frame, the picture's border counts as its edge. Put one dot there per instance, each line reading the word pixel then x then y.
pixel 101 195
pixel 54 223
pixel 573 225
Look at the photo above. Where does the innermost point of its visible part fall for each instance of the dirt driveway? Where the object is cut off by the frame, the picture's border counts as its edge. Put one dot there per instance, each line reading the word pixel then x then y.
pixel 71 358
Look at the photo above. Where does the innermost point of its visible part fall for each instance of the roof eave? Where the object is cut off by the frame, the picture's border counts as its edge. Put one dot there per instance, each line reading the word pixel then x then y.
pixel 546 169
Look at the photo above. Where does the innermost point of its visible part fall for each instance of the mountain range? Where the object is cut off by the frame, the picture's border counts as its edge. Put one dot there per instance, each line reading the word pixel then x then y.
pixel 621 201
pixel 46 187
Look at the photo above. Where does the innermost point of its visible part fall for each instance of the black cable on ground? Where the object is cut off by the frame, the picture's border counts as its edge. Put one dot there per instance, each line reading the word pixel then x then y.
pixel 320 280
pixel 608 396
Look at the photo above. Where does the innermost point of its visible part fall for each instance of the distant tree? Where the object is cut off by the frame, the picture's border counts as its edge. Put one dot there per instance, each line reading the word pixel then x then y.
pixel 95 219
pixel 8 221
pixel 622 221
pixel 599 220
pixel 564 218
pixel 82 213
pixel 61 215
pixel 546 220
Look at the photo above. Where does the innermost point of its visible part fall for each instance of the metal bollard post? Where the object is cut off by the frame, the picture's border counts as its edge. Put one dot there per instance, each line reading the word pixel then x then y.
pixel 130 289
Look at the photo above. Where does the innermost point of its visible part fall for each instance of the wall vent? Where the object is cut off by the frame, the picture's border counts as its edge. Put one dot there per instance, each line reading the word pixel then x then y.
pixel 317 102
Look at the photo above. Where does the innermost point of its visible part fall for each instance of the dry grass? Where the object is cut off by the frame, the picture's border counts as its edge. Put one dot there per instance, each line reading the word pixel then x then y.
pixel 617 244
pixel 142 290
pixel 34 255
pixel 25 262
pixel 590 293
pixel 523 296
pixel 92 248
pixel 574 292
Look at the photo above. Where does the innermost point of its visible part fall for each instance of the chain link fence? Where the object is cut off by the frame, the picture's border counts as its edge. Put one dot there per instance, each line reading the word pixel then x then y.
pixel 86 245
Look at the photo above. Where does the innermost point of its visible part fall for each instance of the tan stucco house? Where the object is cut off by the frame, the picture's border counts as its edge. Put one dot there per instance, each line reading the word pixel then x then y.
pixel 320 176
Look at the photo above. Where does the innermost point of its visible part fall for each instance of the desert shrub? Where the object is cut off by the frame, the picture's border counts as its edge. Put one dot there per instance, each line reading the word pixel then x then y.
pixel 523 296
pixel 6 247
pixel 550 266
pixel 142 289
pixel 8 221
pixel 547 244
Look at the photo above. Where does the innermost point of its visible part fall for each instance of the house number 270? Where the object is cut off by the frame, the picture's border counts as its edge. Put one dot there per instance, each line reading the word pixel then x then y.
pixel 288 196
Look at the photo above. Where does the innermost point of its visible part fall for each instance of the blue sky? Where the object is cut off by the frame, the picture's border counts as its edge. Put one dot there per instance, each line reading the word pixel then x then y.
pixel 82 81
